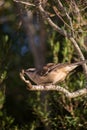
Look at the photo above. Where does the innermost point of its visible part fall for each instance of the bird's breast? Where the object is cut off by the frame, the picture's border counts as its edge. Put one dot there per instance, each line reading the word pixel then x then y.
pixel 58 76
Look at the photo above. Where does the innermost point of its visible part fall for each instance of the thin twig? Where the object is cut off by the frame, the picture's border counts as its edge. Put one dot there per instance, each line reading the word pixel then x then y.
pixel 63 9
pixel 26 3
pixel 57 28
pixel 56 11
pixel 80 54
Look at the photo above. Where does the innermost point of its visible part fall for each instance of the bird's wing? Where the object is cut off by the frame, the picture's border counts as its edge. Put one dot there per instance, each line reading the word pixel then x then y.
pixel 52 66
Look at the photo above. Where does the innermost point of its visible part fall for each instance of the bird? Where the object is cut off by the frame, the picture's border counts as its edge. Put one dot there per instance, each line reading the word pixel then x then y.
pixel 51 73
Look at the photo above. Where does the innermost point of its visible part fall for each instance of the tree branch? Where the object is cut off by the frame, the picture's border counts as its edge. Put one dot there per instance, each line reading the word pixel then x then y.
pixel 63 9
pixel 26 3
pixel 57 13
pixel 79 54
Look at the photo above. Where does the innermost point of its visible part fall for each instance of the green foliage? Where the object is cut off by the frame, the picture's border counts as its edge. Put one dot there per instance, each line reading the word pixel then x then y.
pixel 55 46
pixel 67 51
pixel 2 99
pixel 40 111
pixel 6 122
pixel 21 109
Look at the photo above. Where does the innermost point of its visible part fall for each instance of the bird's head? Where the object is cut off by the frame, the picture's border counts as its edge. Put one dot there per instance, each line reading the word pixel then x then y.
pixel 30 72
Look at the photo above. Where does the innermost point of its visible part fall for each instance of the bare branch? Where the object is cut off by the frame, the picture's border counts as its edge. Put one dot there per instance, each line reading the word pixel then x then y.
pixel 57 28
pixel 65 12
pixel 80 54
pixel 60 89
pixel 56 11
pixel 26 3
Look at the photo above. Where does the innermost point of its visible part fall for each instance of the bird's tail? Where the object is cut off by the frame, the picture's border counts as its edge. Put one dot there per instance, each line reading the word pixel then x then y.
pixel 80 62
pixel 67 66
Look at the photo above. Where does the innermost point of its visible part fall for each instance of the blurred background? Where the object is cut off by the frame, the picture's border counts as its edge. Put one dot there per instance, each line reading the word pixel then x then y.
pixel 26 40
